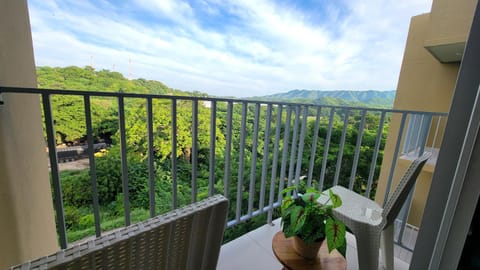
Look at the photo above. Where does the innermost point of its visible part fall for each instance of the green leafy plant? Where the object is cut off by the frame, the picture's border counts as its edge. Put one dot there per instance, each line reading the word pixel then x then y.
pixel 304 217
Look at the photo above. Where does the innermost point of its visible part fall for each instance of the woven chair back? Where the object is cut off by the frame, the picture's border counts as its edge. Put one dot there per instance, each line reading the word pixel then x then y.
pixel 399 196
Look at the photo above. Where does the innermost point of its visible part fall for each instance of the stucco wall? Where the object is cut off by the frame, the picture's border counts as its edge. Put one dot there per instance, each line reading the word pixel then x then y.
pixel 450 22
pixel 424 84
pixel 27 228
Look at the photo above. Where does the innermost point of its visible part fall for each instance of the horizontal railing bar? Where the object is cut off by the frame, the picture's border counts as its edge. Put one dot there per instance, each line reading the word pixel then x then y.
pixel 254 214
pixel 218 99
pixel 293 138
pixel 399 243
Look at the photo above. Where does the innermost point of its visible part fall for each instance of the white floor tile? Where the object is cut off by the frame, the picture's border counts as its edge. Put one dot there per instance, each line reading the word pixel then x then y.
pixel 264 235
pixel 254 251
pixel 244 253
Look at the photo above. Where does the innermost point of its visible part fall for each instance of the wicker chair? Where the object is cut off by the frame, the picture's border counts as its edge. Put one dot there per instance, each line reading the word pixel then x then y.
pixel 369 222
pixel 186 238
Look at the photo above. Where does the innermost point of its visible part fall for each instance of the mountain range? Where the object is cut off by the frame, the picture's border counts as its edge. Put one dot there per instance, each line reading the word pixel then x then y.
pixel 362 98
pixel 87 78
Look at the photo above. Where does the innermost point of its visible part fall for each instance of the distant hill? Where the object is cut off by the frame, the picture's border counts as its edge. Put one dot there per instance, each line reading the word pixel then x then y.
pixel 87 78
pixel 367 98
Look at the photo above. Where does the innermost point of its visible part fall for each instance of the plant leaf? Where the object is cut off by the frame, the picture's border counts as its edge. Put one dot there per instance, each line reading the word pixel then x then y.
pixel 294 216
pixel 343 249
pixel 335 231
pixel 288 189
pixel 286 202
pixel 300 221
pixel 336 201
pixel 310 197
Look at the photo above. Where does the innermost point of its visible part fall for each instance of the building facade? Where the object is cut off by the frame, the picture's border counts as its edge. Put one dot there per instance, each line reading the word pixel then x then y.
pixel 430 66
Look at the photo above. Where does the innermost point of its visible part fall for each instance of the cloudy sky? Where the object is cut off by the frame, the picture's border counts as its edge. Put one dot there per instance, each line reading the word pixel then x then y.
pixel 230 47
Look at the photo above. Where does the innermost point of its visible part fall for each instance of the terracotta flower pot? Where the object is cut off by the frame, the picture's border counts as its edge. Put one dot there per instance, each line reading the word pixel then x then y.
pixel 304 250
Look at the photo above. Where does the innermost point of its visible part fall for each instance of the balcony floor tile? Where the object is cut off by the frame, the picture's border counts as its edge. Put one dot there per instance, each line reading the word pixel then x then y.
pixel 254 251
pixel 247 253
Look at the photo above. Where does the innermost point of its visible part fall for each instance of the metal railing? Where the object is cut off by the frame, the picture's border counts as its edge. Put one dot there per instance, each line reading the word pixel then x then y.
pixel 273 145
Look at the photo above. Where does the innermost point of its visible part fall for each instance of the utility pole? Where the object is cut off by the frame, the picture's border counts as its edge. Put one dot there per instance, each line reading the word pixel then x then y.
pixel 92 64
pixel 130 72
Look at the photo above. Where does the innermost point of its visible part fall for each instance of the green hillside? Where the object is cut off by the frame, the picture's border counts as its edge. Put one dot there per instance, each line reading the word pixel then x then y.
pixel 70 129
pixel 368 98
pixel 87 78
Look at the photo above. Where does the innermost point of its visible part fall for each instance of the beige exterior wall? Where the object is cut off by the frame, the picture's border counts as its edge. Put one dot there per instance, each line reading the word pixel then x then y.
pixel 450 21
pixel 27 227
pixel 425 84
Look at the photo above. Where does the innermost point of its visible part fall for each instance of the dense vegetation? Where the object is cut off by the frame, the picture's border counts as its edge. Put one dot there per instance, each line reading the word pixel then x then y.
pixel 70 129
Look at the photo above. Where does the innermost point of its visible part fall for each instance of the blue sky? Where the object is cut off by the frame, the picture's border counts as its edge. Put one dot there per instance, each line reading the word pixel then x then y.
pixel 230 48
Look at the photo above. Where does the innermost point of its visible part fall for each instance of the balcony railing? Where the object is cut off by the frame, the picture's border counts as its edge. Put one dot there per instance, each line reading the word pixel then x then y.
pixel 255 148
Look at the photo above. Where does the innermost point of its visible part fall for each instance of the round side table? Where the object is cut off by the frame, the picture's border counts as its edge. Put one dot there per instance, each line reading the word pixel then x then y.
pixel 283 250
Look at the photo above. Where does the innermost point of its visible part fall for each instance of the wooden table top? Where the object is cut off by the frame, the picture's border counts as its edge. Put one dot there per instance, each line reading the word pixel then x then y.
pixel 283 250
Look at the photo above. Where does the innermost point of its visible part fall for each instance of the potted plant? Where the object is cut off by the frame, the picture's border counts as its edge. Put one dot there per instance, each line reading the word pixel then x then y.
pixel 310 222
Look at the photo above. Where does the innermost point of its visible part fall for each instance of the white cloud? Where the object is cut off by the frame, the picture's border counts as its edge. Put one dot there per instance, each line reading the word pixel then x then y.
pixel 271 48
pixel 175 10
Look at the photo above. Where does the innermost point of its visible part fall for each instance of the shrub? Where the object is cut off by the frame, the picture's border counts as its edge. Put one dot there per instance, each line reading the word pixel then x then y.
pixel 86 221
pixel 76 188
pixel 72 216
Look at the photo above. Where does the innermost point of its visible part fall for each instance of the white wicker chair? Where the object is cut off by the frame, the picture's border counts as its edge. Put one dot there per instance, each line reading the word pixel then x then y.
pixel 186 238
pixel 369 222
